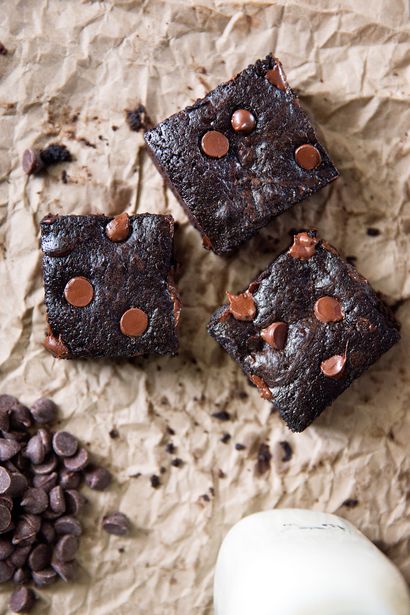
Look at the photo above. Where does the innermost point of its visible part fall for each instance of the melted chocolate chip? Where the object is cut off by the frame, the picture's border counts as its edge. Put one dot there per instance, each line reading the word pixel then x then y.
pixel 79 292
pixel 214 144
pixel 119 228
pixel 56 346
pixel 275 335
pixel 328 309
pixel 304 246
pixel 334 366
pixel 134 322
pixel 276 77
pixel 263 388
pixel 243 121
pixel 308 157
pixel 242 306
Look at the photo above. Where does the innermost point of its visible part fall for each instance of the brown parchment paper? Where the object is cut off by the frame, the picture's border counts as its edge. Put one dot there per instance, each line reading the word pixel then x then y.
pixel 72 69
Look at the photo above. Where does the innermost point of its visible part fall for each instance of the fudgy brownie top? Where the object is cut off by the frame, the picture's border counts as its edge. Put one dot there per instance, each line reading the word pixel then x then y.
pixel 240 156
pixel 108 288
pixel 305 329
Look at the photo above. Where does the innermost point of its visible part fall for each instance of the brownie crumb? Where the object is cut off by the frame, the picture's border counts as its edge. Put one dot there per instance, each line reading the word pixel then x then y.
pixel 177 462
pixel 351 503
pixel 243 395
pixel 3 50
pixel 55 153
pixel 138 119
pixel 64 176
pixel 170 431
pixel 264 459
pixel 114 433
pixel 205 497
pixel 222 415
pixel 114 128
pixel 155 481
pixel 121 550
pixel 212 491
pixel 287 451
pixel 221 474
pixel 226 437
pixel 162 470
pixel 240 447
pixel 373 232
pixel 170 448
pixel 351 260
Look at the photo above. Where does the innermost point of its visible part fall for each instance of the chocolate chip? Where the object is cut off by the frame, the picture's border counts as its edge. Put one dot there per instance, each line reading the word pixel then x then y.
pixel 177 462
pixel 5 518
pixel 43 411
pixel 6 500
pixel 304 246
pixel 114 433
pixel 328 309
pixel 373 232
pixel 276 77
pixel 155 481
pixel 97 478
pixel 225 438
pixel 334 366
pixel 275 335
pixel 133 322
pixel 239 446
pixel 68 525
pixel 264 459
pixel 22 600
pixel 214 144
pixel 57 500
pixel 40 557
pixel 243 121
pixel 12 483
pixel 350 503
pixel 48 466
pixel 6 571
pixel 20 417
pixel 25 532
pixel 242 306
pixel 56 346
pixel 119 228
pixel 75 501
pixel 21 576
pixel 8 448
pixel 222 415
pixel 116 523
pixel 35 500
pixel 70 480
pixel 65 570
pixel 79 292
pixel 48 531
pixel 35 449
pixel 287 451
pixel 6 549
pixel 77 462
pixel 20 555
pixel 44 577
pixel 263 388
pixel 66 548
pixel 64 444
pixel 45 481
pixel 31 161
pixel 308 157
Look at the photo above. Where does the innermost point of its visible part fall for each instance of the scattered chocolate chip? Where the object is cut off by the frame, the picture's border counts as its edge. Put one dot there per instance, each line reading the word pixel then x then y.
pixel 264 459
pixel 64 444
pixel 226 437
pixel 155 481
pixel 20 417
pixel 97 478
pixel 40 557
pixel 134 322
pixel 263 388
pixel 35 500
pixel 116 523
pixel 328 309
pixel 114 433
pixel 26 530
pixel 48 531
pixel 177 462
pixel 18 484
pixel 351 503
pixel 43 411
pixel 373 232
pixel 79 292
pixel 77 462
pixel 214 144
pixel 22 600
pixel 119 228
pixel 287 451
pixel 68 525
pixel 137 119
pixel 65 570
pixel 240 447
pixel 32 162
pixel 44 577
pixel 275 335
pixel 276 77
pixel 8 448
pixel 242 306
pixel 243 121
pixel 304 246
pixel 308 157
pixel 66 548
pixel 222 415
pixel 334 366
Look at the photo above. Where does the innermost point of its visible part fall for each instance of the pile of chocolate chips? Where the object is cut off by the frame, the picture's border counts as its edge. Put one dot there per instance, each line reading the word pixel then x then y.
pixel 40 475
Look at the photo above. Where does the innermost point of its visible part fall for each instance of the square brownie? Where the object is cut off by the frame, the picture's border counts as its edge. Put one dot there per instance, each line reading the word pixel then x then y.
pixel 241 156
pixel 109 290
pixel 305 329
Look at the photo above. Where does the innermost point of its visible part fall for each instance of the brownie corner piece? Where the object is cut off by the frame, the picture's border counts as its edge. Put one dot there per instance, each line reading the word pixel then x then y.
pixel 303 330
pixel 240 156
pixel 109 289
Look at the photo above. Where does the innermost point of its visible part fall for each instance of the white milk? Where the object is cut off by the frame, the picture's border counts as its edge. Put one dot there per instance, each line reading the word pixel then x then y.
pixel 303 562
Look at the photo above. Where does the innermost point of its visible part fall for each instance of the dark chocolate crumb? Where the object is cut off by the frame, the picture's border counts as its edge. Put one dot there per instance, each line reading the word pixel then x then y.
pixel 87 142
pixel 226 437
pixel 350 503
pixel 137 475
pixel 155 481
pixel 137 118
pixel 162 470
pixel 287 451
pixel 351 260
pixel 243 395
pixel 222 415
pixel 171 448
pixel 55 153
pixel 221 473
pixel 177 462
pixel 114 127
pixel 264 459
pixel 121 550
pixel 114 433
pixel 373 232
pixel 170 431
pixel 3 50
pixel 64 176
pixel 239 446
pixel 205 497
pixel 212 491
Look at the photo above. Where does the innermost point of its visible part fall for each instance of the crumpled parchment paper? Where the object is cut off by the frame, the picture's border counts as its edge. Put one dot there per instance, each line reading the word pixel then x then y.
pixel 72 69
